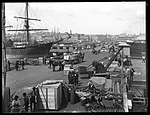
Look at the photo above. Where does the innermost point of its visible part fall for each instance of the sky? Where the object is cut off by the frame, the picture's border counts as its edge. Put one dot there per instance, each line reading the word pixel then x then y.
pixel 82 17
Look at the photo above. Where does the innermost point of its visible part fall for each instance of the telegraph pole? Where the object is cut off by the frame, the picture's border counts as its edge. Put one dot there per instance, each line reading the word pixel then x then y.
pixel 4 61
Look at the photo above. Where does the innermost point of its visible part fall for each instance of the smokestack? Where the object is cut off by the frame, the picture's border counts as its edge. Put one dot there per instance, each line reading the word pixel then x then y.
pixel 70 31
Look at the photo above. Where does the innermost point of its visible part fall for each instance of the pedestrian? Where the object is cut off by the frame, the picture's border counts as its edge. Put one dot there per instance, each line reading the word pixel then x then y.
pixel 17 65
pixel 143 59
pixel 70 78
pixel 33 99
pixel 60 65
pixel 63 64
pixel 75 77
pixel 44 60
pixel 131 74
pixel 26 102
pixel 16 104
pixel 50 63
pixel 119 61
pixel 22 64
pixel 83 54
pixel 9 65
pixel 129 60
pixel 53 64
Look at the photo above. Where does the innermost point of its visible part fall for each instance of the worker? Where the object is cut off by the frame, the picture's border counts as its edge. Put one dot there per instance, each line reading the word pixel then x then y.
pixel 26 102
pixel 33 99
pixel 143 59
pixel 90 85
pixel 53 64
pixel 22 64
pixel 70 78
pixel 63 64
pixel 60 65
pixel 17 65
pixel 131 74
pixel 44 60
pixel 50 63
pixel 82 57
pixel 25 60
pixel 16 104
pixel 9 65
pixel 75 77
pixel 125 63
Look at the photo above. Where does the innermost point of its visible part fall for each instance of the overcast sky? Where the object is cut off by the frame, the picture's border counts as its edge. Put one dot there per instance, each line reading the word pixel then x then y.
pixel 82 17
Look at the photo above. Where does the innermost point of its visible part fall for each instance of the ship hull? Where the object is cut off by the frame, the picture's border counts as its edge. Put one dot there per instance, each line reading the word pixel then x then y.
pixel 28 51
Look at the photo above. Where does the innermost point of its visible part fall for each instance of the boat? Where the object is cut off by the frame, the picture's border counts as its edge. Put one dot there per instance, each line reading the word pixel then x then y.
pixel 28 49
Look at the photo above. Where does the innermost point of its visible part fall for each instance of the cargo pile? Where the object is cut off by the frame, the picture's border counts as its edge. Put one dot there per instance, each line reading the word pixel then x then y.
pixel 99 96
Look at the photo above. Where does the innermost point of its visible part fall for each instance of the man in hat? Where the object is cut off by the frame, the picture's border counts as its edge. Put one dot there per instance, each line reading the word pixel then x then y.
pixel 75 77
pixel 50 62
pixel 22 64
pixel 33 99
pixel 53 64
pixel 26 101
pixel 9 65
pixel 70 78
pixel 17 65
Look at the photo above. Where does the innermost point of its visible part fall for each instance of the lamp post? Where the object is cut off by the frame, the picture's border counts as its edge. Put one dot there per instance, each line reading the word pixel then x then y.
pixel 125 51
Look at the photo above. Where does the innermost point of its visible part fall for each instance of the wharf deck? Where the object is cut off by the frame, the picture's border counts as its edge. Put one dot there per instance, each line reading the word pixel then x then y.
pixel 33 75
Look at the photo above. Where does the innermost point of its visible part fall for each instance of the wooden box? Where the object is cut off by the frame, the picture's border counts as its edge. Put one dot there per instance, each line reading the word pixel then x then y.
pixel 50 95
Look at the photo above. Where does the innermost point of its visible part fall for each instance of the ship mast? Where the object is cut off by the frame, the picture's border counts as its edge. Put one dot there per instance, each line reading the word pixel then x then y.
pixel 27 24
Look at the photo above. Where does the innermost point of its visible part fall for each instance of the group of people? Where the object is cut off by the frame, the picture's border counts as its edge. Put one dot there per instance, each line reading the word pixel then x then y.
pixel 32 99
pixel 82 56
pixel 53 64
pixel 19 63
pixel 73 77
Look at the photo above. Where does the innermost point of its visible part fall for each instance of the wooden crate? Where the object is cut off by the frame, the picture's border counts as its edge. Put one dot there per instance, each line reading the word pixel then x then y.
pixel 50 95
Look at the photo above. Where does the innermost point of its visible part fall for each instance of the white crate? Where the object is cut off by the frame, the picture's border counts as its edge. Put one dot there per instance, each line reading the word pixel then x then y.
pixel 51 94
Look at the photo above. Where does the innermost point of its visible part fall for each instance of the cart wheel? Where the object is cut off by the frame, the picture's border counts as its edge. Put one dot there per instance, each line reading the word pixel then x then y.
pixel 7 99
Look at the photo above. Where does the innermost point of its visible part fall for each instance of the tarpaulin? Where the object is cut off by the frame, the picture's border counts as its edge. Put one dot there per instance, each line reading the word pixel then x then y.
pixel 98 82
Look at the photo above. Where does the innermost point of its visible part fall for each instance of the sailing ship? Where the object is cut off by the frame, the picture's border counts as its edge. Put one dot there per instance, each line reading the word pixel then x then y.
pixel 28 49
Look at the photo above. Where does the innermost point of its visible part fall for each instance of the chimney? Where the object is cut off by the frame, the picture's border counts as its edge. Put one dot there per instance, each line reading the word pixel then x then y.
pixel 70 31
